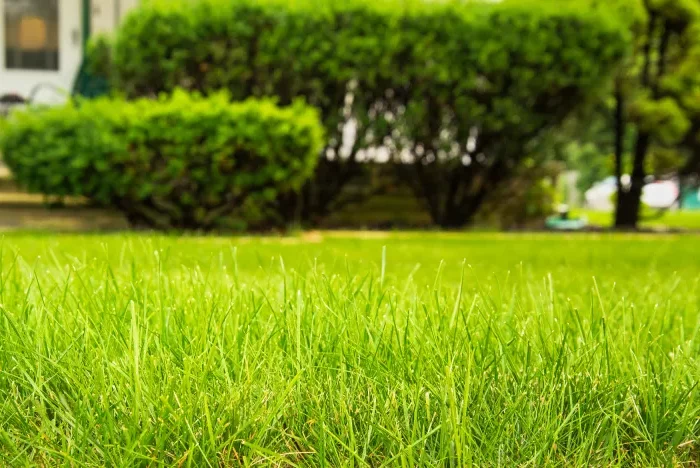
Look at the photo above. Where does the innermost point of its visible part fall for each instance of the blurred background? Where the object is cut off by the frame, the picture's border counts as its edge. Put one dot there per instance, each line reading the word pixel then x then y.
pixel 482 115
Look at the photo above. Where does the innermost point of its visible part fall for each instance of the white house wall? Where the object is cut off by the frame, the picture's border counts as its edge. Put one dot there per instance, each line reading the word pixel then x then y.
pixel 128 5
pixel 106 14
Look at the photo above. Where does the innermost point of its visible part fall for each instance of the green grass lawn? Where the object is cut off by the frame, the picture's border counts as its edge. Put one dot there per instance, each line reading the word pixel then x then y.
pixel 671 219
pixel 336 350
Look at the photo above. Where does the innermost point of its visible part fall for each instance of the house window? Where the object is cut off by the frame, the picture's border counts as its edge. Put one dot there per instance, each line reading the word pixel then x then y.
pixel 31 34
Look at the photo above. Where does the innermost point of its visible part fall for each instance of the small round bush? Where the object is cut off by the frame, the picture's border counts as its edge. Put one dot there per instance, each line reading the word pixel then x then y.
pixel 182 161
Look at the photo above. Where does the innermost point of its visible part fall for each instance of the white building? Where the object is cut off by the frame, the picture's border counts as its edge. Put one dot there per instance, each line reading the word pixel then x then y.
pixel 42 42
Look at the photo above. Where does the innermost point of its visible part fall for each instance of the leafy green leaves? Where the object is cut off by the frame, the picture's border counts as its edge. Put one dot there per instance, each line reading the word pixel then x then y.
pixel 663 118
pixel 406 75
pixel 182 161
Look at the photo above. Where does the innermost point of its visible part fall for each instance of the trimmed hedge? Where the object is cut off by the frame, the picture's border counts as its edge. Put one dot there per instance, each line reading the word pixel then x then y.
pixel 460 90
pixel 181 161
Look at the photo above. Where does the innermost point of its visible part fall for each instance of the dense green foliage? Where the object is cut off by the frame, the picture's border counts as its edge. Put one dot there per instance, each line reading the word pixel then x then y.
pixel 538 351
pixel 656 96
pixel 176 162
pixel 455 91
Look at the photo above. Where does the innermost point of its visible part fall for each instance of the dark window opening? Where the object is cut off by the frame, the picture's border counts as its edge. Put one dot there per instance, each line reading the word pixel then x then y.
pixel 31 34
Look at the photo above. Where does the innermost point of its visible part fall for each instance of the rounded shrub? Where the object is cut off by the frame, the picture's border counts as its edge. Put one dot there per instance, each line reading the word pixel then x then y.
pixel 181 161
pixel 455 90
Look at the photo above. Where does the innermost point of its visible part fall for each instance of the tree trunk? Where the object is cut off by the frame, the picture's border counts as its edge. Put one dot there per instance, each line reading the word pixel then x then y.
pixel 619 138
pixel 629 201
pixel 627 210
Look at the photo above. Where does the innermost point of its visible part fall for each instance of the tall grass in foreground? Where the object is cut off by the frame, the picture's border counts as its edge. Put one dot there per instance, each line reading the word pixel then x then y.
pixel 122 351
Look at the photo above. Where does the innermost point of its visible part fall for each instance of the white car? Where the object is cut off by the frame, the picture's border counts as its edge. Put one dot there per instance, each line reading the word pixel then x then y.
pixel 661 194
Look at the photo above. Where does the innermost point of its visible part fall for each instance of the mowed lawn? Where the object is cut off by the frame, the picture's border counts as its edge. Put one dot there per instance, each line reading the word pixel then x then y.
pixel 338 350
pixel 682 219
